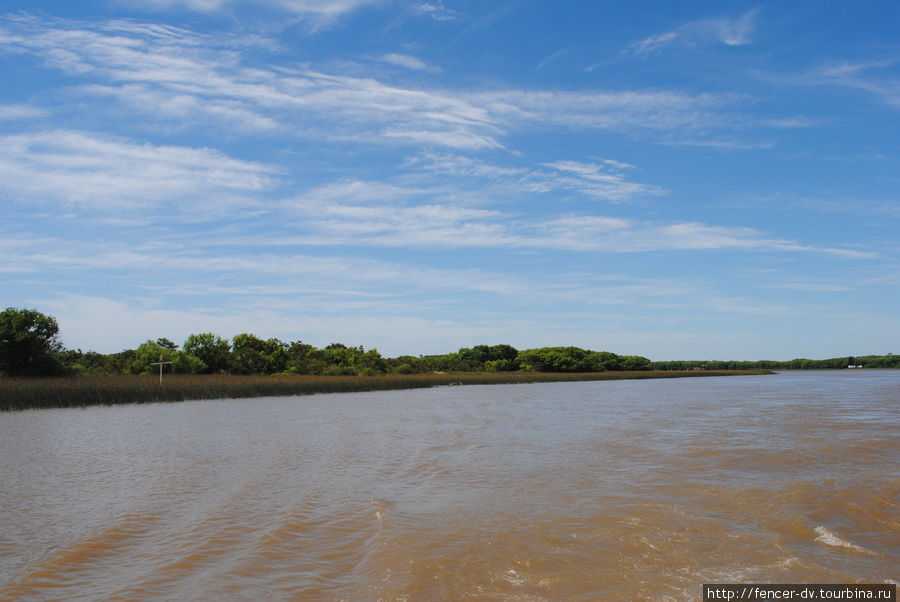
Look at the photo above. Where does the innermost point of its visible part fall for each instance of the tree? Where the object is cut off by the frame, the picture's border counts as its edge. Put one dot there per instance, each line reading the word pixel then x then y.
pixel 155 351
pixel 28 343
pixel 211 349
pixel 252 355
pixel 634 362
pixel 370 363
pixel 563 359
pixel 247 355
pixel 166 343
pixel 302 359
pixel 489 358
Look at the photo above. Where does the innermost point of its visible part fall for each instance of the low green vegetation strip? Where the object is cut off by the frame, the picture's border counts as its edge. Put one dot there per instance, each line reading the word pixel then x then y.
pixel 80 391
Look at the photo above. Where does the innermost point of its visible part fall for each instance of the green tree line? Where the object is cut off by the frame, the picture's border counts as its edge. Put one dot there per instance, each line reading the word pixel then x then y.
pixel 29 346
pixel 836 363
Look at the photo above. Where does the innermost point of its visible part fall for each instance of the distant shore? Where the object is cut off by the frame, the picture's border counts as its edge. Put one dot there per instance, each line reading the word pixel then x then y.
pixel 81 391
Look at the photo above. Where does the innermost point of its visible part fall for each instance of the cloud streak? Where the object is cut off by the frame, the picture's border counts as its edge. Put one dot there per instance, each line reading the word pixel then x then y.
pixel 408 61
pixel 863 76
pixel 604 180
pixel 318 12
pixel 98 172
pixel 181 77
pixel 443 226
pixel 736 31
pixel 20 112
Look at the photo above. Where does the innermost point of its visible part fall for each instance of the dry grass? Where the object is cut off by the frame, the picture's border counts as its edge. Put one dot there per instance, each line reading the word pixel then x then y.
pixel 36 393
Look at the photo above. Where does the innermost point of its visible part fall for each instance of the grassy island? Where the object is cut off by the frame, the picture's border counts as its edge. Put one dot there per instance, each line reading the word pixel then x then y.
pixel 80 391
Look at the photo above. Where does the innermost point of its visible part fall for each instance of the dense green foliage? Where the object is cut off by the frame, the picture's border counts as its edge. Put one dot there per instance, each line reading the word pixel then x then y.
pixel 211 349
pixel 28 343
pixel 866 361
pixel 29 347
pixel 248 354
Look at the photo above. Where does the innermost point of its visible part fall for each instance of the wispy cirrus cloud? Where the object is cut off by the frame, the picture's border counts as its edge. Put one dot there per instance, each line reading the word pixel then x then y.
pixel 267 293
pixel 579 232
pixel 876 77
pixel 99 172
pixel 406 60
pixel 626 111
pixel 415 211
pixel 439 225
pixel 736 31
pixel 320 12
pixel 171 74
pixel 235 265
pixel 168 72
pixel 20 111
pixel 435 10
pixel 605 179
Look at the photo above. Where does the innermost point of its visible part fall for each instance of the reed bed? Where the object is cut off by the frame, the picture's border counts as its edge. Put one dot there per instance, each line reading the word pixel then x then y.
pixel 80 391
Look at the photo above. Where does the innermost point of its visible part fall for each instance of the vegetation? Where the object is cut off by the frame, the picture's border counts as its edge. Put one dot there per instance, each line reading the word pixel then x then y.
pixel 28 343
pixel 866 361
pixel 208 366
pixel 29 346
pixel 37 393
pixel 247 354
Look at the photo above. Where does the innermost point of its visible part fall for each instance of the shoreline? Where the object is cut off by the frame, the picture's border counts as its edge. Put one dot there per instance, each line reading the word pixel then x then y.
pixel 17 394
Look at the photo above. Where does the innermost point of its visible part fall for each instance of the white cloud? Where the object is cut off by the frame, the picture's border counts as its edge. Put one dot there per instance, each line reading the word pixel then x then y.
pixel 860 76
pixel 627 111
pixel 406 60
pixel 187 109
pixel 105 173
pixel 109 325
pixel 603 180
pixel 191 79
pixel 589 224
pixel 19 111
pixel 735 32
pixel 814 287
pixel 550 59
pixel 654 43
pixel 727 143
pixel 233 265
pixel 731 32
pixel 875 77
pixel 358 191
pixel 196 5
pixel 321 9
pixel 330 8
pixel 435 10
pixel 788 123
pixel 432 226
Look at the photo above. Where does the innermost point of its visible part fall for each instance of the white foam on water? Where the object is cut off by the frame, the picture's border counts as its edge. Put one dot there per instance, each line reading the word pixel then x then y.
pixel 830 539
pixel 513 576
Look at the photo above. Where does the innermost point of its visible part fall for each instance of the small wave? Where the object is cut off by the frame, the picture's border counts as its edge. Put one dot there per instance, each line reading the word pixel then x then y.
pixel 520 579
pixel 831 539
pixel 381 506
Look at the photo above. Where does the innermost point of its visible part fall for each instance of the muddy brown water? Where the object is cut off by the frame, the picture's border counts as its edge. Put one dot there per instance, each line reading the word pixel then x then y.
pixel 615 490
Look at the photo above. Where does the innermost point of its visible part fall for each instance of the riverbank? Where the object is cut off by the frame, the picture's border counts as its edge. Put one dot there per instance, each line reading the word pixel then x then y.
pixel 81 391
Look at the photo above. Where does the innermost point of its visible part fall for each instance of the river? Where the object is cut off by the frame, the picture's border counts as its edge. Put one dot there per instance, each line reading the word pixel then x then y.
pixel 611 490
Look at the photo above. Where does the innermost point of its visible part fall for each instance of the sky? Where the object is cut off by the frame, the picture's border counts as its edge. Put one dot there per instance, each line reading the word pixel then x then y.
pixel 689 180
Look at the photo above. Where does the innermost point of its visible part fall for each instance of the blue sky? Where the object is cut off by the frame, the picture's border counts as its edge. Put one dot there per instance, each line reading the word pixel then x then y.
pixel 692 180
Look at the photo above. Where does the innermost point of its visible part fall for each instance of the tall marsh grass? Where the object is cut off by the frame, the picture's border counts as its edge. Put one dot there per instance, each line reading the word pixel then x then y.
pixel 79 391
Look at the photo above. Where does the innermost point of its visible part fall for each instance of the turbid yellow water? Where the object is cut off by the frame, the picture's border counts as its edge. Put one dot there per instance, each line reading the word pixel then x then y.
pixel 613 490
